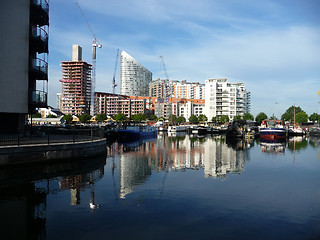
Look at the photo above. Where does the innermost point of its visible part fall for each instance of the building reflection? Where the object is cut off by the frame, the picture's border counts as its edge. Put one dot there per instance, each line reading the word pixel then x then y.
pixel 24 193
pixel 179 153
pixel 77 183
pixel 23 212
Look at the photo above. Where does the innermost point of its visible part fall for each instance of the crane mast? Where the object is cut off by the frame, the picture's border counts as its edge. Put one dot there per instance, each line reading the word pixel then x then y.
pixel 95 44
pixel 114 83
pixel 167 90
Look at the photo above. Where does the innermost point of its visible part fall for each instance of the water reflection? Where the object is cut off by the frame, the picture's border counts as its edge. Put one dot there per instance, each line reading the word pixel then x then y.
pixel 179 153
pixel 24 193
pixel 273 146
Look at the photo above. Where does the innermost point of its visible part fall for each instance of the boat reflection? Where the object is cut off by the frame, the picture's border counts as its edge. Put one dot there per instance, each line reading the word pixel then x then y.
pixel 273 146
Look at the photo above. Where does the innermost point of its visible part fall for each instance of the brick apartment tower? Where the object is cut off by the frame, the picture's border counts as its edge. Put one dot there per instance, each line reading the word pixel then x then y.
pixel 76 84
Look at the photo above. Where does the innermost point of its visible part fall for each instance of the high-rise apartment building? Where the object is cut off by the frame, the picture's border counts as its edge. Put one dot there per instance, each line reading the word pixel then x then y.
pixel 24 68
pixel 179 89
pixel 134 78
pixel 76 84
pixel 225 98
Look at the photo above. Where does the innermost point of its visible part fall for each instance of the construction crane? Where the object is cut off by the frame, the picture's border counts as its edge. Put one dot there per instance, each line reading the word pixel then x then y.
pixel 114 74
pixel 114 84
pixel 167 89
pixel 95 44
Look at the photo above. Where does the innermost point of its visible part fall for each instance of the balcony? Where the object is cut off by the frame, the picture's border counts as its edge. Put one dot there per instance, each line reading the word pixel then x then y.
pixel 39 69
pixel 38 98
pixel 39 40
pixel 39 12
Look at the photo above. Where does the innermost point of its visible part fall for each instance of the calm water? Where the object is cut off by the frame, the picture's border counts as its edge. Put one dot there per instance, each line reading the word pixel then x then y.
pixel 177 187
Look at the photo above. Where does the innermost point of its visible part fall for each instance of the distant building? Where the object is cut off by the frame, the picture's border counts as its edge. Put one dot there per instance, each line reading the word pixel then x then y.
pixel 76 84
pixel 59 95
pixel 134 78
pixel 24 28
pixel 179 89
pixel 225 98
pixel 129 105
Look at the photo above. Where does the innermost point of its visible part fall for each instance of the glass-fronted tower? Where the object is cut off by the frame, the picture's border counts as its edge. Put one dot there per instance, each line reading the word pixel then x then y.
pixel 134 78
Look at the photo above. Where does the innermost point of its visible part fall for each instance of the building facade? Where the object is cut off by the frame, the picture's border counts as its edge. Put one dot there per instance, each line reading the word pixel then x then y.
pixel 134 78
pixel 113 104
pixel 178 89
pixel 24 67
pixel 225 98
pixel 75 84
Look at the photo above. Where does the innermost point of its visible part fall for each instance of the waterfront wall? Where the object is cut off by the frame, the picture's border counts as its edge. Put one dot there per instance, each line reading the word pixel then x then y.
pixel 29 154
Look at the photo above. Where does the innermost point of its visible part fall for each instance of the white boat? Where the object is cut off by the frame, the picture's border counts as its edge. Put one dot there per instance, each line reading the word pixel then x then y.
pixel 177 128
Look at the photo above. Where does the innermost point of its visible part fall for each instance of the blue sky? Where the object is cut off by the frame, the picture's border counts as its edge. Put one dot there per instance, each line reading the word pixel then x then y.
pixel 272 46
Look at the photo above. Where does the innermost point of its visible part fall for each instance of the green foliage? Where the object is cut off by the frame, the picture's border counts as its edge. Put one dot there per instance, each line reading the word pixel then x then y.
pixel 152 117
pixel 36 115
pixel 181 120
pixel 68 118
pixel 202 118
pixel 214 119
pixel 84 118
pixel 289 114
pixel 119 117
pixel 139 117
pixel 314 117
pixel 51 116
pixel 238 117
pixel 193 119
pixel 301 117
pixel 247 116
pixel 273 117
pixel 224 119
pixel 261 116
pixel 173 119
pixel 101 117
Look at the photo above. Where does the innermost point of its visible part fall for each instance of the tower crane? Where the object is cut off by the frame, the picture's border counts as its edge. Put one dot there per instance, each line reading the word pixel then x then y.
pixel 114 74
pixel 95 44
pixel 114 84
pixel 167 90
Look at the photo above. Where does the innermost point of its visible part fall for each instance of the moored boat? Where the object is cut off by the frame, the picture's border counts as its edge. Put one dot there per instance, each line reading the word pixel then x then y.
pixel 177 128
pixel 132 133
pixel 272 130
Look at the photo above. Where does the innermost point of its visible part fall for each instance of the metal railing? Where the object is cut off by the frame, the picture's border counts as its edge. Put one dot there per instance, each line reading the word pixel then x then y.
pixel 39 97
pixel 47 136
pixel 42 3
pixel 40 33
pixel 40 65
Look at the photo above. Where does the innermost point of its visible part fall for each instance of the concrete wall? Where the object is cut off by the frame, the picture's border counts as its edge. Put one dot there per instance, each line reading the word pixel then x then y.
pixel 14 49
pixel 10 156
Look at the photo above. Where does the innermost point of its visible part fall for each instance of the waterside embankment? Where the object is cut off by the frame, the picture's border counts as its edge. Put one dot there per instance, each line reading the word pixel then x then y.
pixel 43 153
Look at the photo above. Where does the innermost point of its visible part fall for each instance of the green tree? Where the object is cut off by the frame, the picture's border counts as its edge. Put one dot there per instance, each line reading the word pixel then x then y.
pixel 119 117
pixel 247 116
pixel 173 119
pixel 301 117
pixel 193 119
pixel 181 120
pixel 314 117
pixel 289 114
pixel 101 117
pixel 51 116
pixel 36 115
pixel 139 117
pixel 238 117
pixel 261 116
pixel 68 118
pixel 84 118
pixel 202 118
pixel 214 119
pixel 224 119
pixel 152 117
